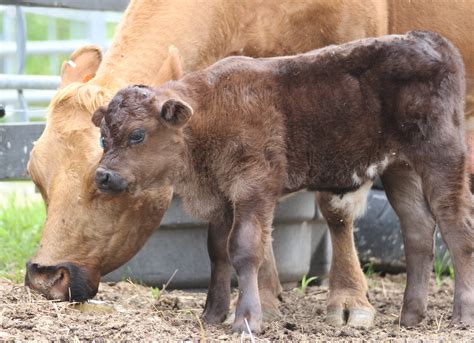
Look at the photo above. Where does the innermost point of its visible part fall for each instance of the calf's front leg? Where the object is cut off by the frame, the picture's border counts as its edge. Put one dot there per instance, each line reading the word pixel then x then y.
pixel 218 296
pixel 250 236
pixel 347 301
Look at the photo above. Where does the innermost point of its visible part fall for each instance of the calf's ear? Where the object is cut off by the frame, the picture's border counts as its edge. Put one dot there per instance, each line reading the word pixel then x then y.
pixel 175 113
pixel 98 115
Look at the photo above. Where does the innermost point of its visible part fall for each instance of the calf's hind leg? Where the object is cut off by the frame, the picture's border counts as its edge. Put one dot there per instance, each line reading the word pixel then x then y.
pixel 269 286
pixel 446 187
pixel 404 191
pixel 347 301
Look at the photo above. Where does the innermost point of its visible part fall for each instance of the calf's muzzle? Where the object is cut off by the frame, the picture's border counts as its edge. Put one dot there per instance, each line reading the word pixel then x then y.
pixel 65 281
pixel 109 181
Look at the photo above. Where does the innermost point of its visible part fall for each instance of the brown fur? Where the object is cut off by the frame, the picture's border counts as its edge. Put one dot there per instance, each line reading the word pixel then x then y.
pixel 87 228
pixel 243 132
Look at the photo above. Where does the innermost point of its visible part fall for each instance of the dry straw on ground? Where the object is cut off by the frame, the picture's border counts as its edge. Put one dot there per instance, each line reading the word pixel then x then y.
pixel 128 311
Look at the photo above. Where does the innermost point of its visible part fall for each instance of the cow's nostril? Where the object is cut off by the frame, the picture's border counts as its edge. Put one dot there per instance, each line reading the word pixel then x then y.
pixel 32 267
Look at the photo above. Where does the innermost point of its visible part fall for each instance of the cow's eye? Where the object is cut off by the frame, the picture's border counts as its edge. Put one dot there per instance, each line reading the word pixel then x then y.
pixel 102 142
pixel 137 136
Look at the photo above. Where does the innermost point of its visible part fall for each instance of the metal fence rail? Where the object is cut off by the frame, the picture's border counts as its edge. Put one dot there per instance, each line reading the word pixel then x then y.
pixel 14 81
pixel 95 5
pixel 45 47
pixel 14 49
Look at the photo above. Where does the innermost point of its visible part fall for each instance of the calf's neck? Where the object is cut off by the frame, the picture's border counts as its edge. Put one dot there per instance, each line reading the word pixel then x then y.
pixel 233 138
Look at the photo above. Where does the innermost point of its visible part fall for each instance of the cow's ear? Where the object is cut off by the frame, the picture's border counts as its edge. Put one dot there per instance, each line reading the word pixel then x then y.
pixel 82 65
pixel 171 68
pixel 175 113
pixel 98 115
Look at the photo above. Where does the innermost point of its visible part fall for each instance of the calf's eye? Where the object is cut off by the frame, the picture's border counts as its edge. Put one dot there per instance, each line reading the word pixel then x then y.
pixel 137 136
pixel 102 142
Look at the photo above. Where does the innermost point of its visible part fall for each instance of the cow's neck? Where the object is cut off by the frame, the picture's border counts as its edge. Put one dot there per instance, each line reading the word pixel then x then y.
pixel 147 31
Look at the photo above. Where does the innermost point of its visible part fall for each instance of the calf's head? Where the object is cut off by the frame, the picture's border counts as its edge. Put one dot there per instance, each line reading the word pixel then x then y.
pixel 141 133
pixel 87 233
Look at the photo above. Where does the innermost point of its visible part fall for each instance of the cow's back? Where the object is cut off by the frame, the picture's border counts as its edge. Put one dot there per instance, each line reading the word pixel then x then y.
pixel 452 19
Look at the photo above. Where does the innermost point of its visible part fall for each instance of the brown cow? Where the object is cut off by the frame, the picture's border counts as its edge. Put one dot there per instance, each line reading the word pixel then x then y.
pixel 87 229
pixel 235 137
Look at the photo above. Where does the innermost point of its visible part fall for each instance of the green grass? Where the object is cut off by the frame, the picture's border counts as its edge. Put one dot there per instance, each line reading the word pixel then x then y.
pixel 369 269
pixel 20 230
pixel 443 267
pixel 155 293
pixel 305 281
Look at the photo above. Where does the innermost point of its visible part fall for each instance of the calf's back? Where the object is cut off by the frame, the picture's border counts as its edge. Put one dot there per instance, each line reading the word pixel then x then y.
pixel 329 119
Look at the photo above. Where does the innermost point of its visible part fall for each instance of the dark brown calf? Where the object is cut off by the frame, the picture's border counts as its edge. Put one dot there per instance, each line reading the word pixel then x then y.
pixel 235 137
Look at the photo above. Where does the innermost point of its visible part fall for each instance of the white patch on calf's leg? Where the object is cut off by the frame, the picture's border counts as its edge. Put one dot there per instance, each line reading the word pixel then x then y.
pixel 377 168
pixel 371 171
pixel 353 203
pixel 356 179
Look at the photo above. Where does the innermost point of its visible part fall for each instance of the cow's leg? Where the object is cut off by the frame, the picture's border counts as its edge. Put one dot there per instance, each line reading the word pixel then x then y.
pixel 446 187
pixel 404 191
pixel 347 301
pixel 218 295
pixel 250 235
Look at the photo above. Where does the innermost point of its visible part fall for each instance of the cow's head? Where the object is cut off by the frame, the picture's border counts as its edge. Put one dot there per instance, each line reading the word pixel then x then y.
pixel 87 233
pixel 141 132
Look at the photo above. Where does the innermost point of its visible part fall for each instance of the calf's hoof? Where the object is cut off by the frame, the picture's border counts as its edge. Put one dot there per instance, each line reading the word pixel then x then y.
pixel 270 306
pixel 463 316
pixel 410 318
pixel 215 310
pixel 214 317
pixel 240 326
pixel 351 311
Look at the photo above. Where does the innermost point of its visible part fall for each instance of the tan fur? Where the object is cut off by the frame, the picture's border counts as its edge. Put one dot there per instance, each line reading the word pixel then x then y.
pixel 81 66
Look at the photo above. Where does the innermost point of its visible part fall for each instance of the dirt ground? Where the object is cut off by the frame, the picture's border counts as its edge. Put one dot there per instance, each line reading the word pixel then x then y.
pixel 132 312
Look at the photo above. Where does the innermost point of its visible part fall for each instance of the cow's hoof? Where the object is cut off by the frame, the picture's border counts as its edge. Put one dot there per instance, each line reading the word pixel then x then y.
pixel 356 317
pixel 347 308
pixel 361 317
pixel 335 317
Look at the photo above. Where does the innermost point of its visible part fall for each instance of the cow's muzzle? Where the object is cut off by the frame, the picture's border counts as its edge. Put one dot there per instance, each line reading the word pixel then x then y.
pixel 65 281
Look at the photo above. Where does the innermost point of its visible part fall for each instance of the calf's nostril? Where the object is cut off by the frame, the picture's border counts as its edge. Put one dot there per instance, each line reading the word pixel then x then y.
pixel 102 177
